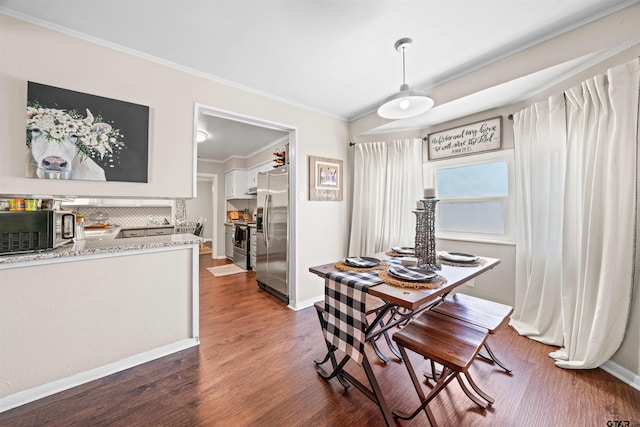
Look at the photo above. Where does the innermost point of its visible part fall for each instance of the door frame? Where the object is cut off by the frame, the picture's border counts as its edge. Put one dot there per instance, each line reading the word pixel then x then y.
pixel 293 187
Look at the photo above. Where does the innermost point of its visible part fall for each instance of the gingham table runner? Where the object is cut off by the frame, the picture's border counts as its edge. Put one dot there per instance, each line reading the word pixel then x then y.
pixel 344 303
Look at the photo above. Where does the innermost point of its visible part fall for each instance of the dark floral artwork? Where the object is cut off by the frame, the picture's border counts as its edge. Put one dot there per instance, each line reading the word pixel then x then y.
pixel 73 135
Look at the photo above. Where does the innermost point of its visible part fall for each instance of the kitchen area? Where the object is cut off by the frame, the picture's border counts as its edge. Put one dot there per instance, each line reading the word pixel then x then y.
pixel 256 227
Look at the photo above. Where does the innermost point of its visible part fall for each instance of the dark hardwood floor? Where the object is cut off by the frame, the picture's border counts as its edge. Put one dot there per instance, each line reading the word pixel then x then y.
pixel 254 367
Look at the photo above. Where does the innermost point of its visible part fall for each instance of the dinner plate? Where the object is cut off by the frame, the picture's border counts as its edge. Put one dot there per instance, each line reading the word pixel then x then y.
pixel 362 262
pixel 458 257
pixel 411 274
pixel 405 250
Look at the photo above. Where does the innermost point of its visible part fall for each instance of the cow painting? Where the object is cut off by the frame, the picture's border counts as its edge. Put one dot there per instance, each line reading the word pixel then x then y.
pixel 66 145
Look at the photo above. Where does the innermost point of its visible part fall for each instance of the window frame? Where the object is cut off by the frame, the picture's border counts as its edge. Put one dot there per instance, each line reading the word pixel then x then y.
pixel 430 170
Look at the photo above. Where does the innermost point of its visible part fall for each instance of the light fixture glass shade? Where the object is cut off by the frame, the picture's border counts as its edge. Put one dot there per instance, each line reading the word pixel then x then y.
pixel 201 136
pixel 404 104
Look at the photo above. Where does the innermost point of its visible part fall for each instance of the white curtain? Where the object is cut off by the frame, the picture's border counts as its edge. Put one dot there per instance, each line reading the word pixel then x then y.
pixel 540 155
pixel 387 184
pixel 589 273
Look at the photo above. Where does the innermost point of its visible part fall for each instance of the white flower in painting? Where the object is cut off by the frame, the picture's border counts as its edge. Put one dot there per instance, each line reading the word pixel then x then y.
pixel 91 136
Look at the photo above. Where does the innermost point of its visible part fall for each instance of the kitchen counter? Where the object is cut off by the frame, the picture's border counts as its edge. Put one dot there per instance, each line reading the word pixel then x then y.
pixel 103 246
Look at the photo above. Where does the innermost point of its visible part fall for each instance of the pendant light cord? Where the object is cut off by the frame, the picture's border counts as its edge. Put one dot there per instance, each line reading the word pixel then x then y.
pixel 404 82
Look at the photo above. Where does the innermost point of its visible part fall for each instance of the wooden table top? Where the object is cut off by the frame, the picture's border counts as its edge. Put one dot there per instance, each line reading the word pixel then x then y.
pixel 415 298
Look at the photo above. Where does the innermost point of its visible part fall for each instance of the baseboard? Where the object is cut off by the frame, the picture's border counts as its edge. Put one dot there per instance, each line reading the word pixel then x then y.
pixel 53 387
pixel 622 374
pixel 304 304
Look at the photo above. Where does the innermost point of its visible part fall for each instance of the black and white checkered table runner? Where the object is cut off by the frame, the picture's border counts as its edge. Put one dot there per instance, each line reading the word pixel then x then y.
pixel 345 305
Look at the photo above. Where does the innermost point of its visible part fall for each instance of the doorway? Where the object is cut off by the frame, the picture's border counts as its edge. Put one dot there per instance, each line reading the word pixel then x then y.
pixel 246 138
pixel 202 206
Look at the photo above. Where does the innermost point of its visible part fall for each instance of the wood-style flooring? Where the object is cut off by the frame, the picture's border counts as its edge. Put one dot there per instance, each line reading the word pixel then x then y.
pixel 254 367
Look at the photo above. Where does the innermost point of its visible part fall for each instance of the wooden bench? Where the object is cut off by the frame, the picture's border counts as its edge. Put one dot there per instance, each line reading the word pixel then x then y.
pixel 480 312
pixel 450 342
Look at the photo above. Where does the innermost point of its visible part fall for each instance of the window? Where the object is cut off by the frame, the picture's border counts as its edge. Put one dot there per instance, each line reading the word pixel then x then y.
pixel 475 199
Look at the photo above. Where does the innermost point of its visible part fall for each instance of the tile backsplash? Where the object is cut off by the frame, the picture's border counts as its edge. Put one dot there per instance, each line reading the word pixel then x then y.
pixel 130 216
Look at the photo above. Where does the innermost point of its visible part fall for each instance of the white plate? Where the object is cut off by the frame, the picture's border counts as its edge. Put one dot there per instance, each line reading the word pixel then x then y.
pixel 458 257
pixel 403 250
pixel 411 274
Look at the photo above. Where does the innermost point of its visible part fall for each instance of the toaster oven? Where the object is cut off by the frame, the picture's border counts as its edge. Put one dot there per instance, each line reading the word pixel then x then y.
pixel 33 231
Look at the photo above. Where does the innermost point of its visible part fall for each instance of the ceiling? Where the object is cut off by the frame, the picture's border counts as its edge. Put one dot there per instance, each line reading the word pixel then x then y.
pixel 331 56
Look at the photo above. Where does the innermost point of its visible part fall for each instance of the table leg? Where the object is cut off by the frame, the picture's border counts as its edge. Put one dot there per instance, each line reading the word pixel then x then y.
pixel 374 393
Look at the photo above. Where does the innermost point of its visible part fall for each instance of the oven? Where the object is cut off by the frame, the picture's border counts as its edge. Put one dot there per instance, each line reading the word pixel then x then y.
pixel 241 246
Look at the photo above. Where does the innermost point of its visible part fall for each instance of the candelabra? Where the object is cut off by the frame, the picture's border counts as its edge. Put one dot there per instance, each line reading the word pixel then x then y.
pixel 425 245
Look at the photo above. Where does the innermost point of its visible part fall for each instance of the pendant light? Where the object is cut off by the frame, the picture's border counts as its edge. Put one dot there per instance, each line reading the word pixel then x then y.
pixel 406 103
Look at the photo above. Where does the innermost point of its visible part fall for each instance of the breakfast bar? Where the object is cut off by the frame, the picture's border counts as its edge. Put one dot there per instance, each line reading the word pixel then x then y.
pixel 91 308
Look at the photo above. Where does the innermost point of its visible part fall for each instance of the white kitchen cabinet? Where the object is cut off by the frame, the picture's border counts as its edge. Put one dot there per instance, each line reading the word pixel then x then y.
pixel 235 184
pixel 252 174
pixel 228 240
pixel 159 231
pixel 146 232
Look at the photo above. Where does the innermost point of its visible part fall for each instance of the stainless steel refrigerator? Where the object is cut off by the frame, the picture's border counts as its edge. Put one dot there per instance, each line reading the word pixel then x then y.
pixel 272 232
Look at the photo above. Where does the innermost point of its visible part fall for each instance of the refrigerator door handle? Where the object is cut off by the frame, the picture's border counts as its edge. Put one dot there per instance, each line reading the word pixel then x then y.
pixel 265 224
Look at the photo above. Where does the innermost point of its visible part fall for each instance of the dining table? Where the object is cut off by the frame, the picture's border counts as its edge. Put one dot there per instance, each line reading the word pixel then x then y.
pixel 403 302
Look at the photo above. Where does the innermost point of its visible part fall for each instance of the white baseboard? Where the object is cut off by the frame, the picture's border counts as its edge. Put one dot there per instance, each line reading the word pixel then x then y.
pixel 621 373
pixel 304 304
pixel 53 387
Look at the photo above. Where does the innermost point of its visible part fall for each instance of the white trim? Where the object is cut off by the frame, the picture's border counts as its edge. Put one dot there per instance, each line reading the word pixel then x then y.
pixel 44 390
pixel 195 293
pixel 304 304
pixel 621 373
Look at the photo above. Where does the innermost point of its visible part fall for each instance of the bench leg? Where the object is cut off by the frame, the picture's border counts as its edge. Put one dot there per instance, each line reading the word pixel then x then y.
pixel 470 395
pixel 478 390
pixel 495 359
pixel 444 379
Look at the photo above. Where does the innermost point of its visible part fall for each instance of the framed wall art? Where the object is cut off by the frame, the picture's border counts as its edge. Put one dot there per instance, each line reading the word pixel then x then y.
pixel 325 179
pixel 77 136
pixel 485 135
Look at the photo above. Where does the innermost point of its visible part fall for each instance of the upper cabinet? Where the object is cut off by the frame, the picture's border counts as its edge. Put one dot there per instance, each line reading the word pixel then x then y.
pixel 235 185
pixel 252 174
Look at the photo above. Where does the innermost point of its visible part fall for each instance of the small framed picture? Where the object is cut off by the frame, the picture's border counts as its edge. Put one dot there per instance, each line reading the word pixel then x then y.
pixel 325 179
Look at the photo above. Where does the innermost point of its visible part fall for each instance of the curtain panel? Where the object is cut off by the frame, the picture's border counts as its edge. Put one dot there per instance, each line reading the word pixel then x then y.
pixel 387 183
pixel 574 290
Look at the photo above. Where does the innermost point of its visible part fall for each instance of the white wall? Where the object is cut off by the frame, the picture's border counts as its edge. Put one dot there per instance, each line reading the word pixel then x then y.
pixel 171 95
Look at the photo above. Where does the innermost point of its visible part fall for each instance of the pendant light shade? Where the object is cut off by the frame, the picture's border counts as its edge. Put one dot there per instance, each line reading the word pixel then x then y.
pixel 407 102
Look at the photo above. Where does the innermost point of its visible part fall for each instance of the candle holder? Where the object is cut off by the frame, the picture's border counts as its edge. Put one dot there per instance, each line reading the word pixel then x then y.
pixel 425 245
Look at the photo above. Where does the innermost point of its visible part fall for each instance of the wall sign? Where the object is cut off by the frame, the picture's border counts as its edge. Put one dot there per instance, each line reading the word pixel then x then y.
pixel 485 135
pixel 325 179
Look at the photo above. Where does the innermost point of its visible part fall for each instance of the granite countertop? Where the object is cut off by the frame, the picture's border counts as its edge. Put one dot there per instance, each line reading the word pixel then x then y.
pixel 103 246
